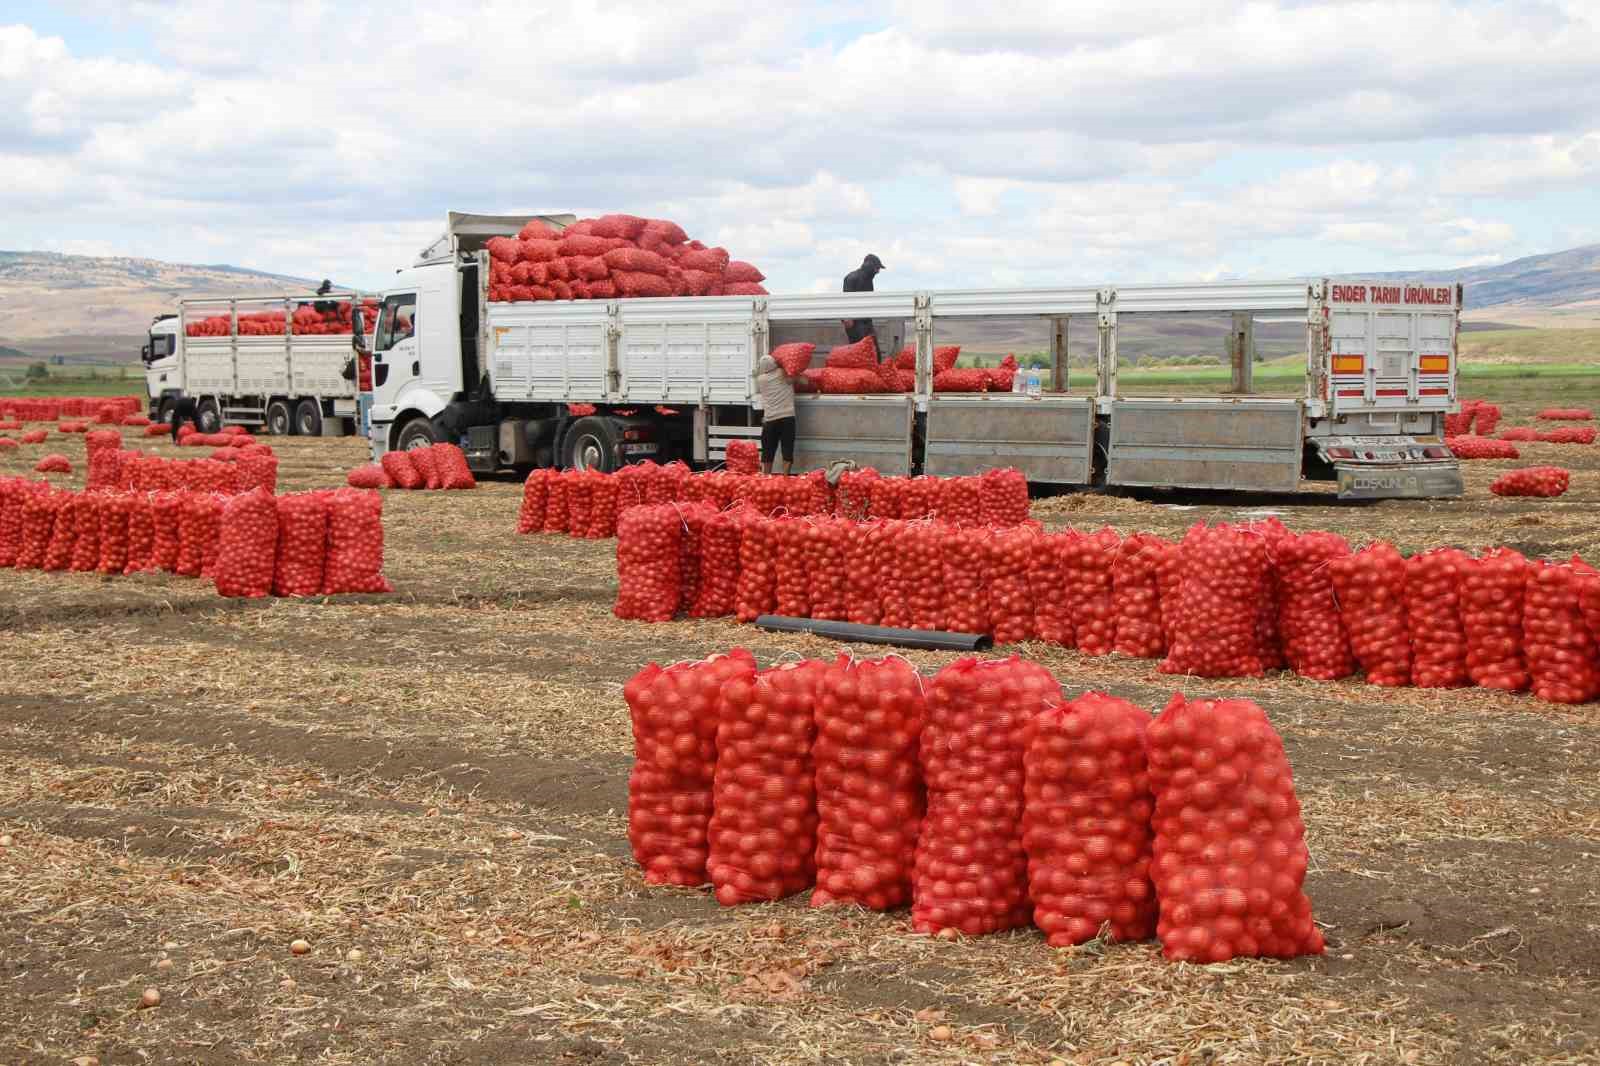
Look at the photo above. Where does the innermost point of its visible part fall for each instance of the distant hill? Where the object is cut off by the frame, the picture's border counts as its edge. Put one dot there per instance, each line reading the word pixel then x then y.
pixel 1538 289
pixel 81 306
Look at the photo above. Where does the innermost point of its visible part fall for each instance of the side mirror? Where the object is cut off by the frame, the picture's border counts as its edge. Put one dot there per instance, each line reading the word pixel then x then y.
pixel 144 354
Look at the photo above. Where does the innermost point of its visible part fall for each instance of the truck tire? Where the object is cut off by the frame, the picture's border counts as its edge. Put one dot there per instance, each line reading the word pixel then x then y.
pixel 308 418
pixel 280 420
pixel 417 433
pixel 591 444
pixel 164 412
pixel 209 415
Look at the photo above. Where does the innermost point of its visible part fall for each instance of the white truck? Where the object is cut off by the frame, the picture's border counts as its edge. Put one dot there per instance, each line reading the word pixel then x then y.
pixel 599 383
pixel 223 351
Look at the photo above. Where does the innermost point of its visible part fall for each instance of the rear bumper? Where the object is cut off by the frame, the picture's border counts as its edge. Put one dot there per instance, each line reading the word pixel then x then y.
pixel 1434 480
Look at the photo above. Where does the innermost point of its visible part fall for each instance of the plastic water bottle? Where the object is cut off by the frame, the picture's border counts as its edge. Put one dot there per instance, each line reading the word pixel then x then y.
pixel 1034 388
pixel 1019 384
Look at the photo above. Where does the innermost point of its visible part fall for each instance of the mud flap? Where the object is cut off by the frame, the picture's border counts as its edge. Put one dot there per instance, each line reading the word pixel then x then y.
pixel 1423 481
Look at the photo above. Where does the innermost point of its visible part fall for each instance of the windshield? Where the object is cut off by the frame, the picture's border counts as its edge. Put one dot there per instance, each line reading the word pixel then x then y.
pixel 397 323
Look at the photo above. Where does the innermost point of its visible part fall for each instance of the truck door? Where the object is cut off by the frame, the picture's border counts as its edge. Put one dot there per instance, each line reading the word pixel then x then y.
pixel 394 353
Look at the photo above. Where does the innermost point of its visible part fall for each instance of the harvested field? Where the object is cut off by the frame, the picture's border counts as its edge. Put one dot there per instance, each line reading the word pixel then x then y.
pixel 429 789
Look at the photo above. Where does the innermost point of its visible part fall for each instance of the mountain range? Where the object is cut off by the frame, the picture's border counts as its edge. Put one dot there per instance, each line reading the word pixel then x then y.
pixel 80 308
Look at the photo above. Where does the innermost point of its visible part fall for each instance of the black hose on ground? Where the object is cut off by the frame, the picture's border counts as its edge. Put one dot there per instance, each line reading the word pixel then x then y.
pixel 854 633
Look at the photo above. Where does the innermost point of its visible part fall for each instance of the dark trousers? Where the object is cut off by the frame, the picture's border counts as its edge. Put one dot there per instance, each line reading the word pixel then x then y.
pixel 187 410
pixel 858 329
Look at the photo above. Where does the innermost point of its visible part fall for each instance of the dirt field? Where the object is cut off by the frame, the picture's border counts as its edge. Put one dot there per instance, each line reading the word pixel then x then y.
pixel 429 789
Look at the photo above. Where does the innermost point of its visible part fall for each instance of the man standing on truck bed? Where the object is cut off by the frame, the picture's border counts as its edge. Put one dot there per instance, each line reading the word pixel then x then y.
pixel 777 413
pixel 860 280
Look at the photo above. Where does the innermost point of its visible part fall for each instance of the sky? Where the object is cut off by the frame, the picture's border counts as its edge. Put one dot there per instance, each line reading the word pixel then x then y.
pixel 1028 144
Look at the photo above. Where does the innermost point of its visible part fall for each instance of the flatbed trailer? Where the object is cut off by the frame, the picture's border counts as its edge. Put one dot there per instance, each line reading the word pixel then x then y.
pixel 675 378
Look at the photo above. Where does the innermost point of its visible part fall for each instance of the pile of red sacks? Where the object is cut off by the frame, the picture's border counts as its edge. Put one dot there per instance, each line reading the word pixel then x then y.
pixel 437 466
pixel 1545 481
pixel 613 256
pixel 303 321
pixel 1086 817
pixel 108 410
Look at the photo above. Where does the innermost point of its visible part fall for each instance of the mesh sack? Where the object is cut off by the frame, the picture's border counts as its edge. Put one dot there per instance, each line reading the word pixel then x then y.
pixel 247 551
pixel 1136 597
pixel 863 603
pixel 370 476
pixel 1052 612
pixel 1011 603
pixel 720 540
pixel 535 491
pixel 86 508
pixel 1563 661
pixel 792 566
pixel 757 592
pixel 828 578
pixel 113 535
pixel 60 534
pixel 402 470
pixel 427 467
pixel 965 585
pixel 1545 481
pixel 960 501
pixel 862 355
pixel 1313 632
pixel 1087 562
pixel 354 560
pixel 649 547
pixel 1433 612
pixel 602 506
pixel 453 470
pixel 198 522
pixel 1371 587
pixel 166 529
pixel 301 561
pixel 744 457
pixel 794 358
pixel 1005 497
pixel 141 533
pixel 1223 571
pixel 693 517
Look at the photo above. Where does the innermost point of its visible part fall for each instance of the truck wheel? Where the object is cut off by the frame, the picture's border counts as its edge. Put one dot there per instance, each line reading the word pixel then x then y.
pixel 417 433
pixel 308 418
pixel 592 445
pixel 210 416
pixel 164 413
pixel 280 421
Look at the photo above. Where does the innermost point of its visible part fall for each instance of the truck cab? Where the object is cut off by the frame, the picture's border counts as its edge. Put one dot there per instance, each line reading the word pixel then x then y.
pixel 163 365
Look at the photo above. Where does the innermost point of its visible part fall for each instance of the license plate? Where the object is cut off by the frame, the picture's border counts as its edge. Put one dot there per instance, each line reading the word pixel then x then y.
pixel 638 449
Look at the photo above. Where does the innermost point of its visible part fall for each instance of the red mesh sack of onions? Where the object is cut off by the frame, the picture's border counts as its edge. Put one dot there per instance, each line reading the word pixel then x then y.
pixel 862 355
pixel 791 563
pixel 301 561
pixel 855 494
pixel 602 506
pixel 649 562
pixel 870 797
pixel 1485 417
pixel 427 467
pixel 1566 414
pixel 54 463
pixel 166 522
pixel 794 358
pixel 1547 481
pixel 966 586
pixel 744 457
pixel 1371 587
pixel 758 569
pixel 34 436
pixel 888 497
pixel 1005 497
pixel 354 560
pixel 693 517
pixel 258 470
pixel 828 578
pixel 578 501
pixel 1562 657
pixel 247 550
pixel 921 499
pixel 1222 577
pixel 86 509
pixel 62 533
pixel 1569 435
pixel 141 533
pixel 720 539
pixel 1519 433
pixel 1313 632
pixel 198 521
pixel 1136 597
pixel 674 712
pixel 763 833
pixel 535 491
pixel 402 470
pixel 370 476
pixel 971 873
pixel 557 513
pixel 1086 821
pixel 960 501
pixel 1052 612
pixel 1433 611
pixel 633 484
pixel 1481 448
pixel 11 504
pixel 768 494
pixel 1269 635
pixel 863 589
pixel 113 535
pixel 916 558
pixel 36 526
pixel 1493 594
pixel 806 495
pixel 1011 598
pixel 1087 561
pixel 1229 859
pixel 668 482
pixel 453 470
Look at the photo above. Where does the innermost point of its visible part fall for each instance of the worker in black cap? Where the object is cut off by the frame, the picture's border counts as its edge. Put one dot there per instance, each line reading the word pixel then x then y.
pixel 860 280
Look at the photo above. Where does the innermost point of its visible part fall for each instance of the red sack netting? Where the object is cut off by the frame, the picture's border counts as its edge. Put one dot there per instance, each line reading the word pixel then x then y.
pixel 1309 623
pixel 1492 599
pixel 791 562
pixel 302 544
pixel 1569 435
pixel 917 575
pixel 166 520
pixel 535 490
pixel 1565 414
pixel 675 715
pixel 667 482
pixel 427 467
pixel 72 427
pixel 37 522
pixel 1230 858
pixel 1052 611
pixel 113 535
pixel 758 570
pixel 1087 561
pixel 141 533
pixel 966 586
pixel 370 476
pixel 247 551
pixel 579 498
pixel 828 544
pixel 794 358
pixel 257 470
pixel 720 539
pixel 744 457
pixel 1545 481
pixel 34 436
pixel 61 536
pixel 1086 821
pixel 836 381
pixel 1222 583
pixel 86 530
pixel 961 501
pixel 921 498
pixel 556 512
pixel 1485 417
pixel 402 470
pixel 870 797
pixel 1433 596
pixel 453 470
pixel 694 517
pixel 199 518
pixel 139 422
pixel 862 355
pixel 1520 433
pixel 1371 586
pixel 1481 448
pixel 1011 602
pixel 1136 597
pixel 649 549
pixel 1562 657
pixel 602 506
pixel 971 873
pixel 971 379
pixel 762 840
pixel 354 560
pixel 887 497
pixel 12 500
pixel 54 463
pixel 806 495
pixel 1005 497
pixel 863 603
pixel 1269 631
